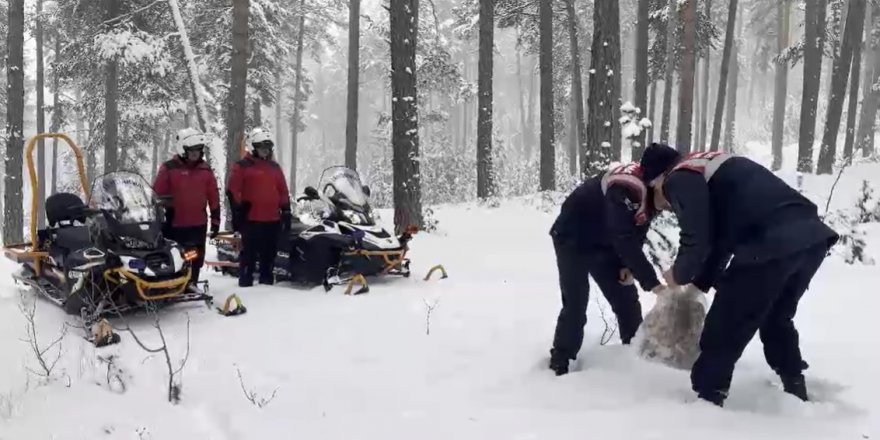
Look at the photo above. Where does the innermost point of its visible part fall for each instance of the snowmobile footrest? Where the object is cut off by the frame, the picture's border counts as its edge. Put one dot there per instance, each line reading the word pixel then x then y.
pixel 239 309
pixel 359 279
pixel 443 274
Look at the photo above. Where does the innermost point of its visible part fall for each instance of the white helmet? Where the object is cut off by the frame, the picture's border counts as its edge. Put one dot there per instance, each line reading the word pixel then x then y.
pixel 260 135
pixel 190 137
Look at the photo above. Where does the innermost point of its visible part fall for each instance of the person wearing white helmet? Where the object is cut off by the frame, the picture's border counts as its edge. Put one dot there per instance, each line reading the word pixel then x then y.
pixel 260 201
pixel 191 186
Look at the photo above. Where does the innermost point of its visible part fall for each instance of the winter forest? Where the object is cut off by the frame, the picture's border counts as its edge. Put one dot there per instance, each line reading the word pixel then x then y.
pixel 469 122
pixel 477 99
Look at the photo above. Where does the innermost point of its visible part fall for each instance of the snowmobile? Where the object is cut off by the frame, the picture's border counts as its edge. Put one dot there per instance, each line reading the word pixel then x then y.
pixel 107 257
pixel 344 247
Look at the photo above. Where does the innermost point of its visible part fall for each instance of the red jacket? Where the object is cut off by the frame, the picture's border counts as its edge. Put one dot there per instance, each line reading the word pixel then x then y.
pixel 192 187
pixel 260 184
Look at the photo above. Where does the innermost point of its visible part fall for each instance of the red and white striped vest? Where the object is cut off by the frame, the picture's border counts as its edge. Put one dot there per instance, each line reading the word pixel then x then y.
pixel 629 175
pixel 705 163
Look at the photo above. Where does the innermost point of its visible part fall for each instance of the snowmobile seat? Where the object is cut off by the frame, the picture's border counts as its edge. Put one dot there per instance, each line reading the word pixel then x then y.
pixel 297 228
pixel 65 215
pixel 64 208
pixel 73 238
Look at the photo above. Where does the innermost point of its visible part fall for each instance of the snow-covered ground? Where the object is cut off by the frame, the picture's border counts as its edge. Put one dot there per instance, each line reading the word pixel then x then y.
pixel 364 367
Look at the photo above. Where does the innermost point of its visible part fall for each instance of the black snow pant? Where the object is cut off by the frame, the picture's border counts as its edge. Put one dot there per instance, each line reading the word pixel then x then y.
pixel 259 243
pixel 575 267
pixel 191 237
pixel 754 298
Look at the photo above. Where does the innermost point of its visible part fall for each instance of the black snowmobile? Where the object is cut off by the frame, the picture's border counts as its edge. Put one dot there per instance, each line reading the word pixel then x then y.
pixel 345 246
pixel 108 257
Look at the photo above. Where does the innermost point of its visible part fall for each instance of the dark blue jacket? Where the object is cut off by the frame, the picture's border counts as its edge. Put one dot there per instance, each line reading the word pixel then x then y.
pixel 591 221
pixel 744 210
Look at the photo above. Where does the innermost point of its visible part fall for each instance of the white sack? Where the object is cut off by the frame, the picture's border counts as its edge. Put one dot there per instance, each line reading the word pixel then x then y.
pixel 671 331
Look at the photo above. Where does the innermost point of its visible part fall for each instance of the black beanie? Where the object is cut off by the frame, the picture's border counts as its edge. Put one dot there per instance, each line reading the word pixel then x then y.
pixel 657 159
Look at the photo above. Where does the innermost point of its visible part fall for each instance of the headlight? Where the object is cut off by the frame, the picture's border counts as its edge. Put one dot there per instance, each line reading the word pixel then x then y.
pixel 134 243
pixel 353 216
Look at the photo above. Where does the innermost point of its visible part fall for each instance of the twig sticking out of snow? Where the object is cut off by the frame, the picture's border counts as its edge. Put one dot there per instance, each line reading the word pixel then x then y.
pixel 114 374
pixel 174 386
pixel 429 308
pixel 252 396
pixel 610 325
pixel 831 194
pixel 46 364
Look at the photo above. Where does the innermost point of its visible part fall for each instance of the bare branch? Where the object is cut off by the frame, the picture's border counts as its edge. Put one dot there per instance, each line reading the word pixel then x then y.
pixel 831 194
pixel 429 308
pixel 610 326
pixel 47 367
pixel 258 401
pixel 136 11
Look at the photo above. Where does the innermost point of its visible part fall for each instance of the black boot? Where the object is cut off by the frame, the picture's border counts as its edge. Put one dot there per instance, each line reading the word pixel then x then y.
pixel 714 398
pixel 796 386
pixel 559 366
pixel 558 362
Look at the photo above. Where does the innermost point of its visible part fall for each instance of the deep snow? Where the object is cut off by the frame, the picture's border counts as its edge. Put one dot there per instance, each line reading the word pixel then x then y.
pixel 363 366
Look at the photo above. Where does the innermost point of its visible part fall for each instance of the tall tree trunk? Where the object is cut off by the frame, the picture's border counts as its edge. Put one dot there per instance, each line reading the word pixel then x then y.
pixel 351 116
pixel 154 154
pixel 852 109
pixel 704 96
pixel 41 120
pixel 12 195
pixel 780 91
pixel 466 108
pixel 814 40
pixel 111 102
pixel 733 87
pixel 686 88
pixel 548 150
pixel 258 112
pixel 485 178
pixel 725 66
pixel 56 112
pixel 604 96
pixel 297 98
pixel 839 76
pixel 652 112
pixel 237 105
pixel 91 152
pixel 278 115
pixel 192 73
pixel 871 98
pixel 668 78
pixel 530 116
pixel 81 136
pixel 571 137
pixel 577 92
pixel 521 91
pixel 404 115
pixel 641 86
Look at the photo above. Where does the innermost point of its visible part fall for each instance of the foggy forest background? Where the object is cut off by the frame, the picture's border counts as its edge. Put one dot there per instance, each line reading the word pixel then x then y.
pixel 434 101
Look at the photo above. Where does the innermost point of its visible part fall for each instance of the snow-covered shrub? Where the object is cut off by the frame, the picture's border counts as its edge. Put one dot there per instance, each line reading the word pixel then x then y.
pixel 867 206
pixel 851 245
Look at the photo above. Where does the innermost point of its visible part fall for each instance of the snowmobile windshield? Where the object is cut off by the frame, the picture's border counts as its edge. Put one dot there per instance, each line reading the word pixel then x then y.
pixel 130 210
pixel 344 185
pixel 126 197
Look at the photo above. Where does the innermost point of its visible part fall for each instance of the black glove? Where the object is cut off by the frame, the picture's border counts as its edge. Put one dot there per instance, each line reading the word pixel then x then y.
pixel 239 215
pixel 286 218
pixel 215 230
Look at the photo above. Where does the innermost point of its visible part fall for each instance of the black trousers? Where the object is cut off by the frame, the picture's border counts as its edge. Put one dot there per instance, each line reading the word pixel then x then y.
pixel 754 298
pixel 192 237
pixel 575 267
pixel 259 243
